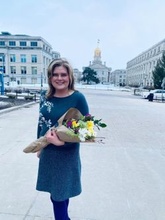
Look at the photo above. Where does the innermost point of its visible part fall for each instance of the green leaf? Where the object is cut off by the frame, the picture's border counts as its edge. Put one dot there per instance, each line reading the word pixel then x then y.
pixel 103 125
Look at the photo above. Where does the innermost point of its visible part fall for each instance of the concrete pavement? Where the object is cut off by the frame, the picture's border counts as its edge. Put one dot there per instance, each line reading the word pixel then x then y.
pixel 123 179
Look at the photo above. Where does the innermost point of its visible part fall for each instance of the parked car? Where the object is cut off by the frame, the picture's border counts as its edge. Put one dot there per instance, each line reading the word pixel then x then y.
pixel 145 94
pixel 158 94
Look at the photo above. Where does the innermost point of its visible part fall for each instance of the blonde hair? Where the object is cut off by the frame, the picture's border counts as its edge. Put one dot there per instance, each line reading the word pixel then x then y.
pixel 56 63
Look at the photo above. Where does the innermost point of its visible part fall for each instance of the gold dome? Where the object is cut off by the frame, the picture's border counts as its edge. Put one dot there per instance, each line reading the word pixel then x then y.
pixel 97 52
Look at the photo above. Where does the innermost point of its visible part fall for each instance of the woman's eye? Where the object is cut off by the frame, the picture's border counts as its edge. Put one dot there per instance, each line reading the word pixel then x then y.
pixel 54 74
pixel 63 74
pixel 59 75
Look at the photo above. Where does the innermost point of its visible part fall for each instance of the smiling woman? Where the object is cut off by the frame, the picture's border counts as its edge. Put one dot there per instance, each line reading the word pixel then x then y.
pixel 59 162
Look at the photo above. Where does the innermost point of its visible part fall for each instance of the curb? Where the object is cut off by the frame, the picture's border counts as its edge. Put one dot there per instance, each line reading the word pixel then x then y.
pixel 3 111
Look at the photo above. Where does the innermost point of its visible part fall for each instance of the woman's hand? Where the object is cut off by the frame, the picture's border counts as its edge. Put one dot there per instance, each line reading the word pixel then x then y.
pixel 52 138
pixel 38 154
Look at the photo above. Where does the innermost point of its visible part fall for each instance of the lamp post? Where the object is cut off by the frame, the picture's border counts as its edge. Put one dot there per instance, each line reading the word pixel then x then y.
pixel 144 79
pixel 163 87
pixel 2 56
pixel 41 81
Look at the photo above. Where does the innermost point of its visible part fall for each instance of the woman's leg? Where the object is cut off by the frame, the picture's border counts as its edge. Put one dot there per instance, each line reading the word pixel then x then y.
pixel 60 209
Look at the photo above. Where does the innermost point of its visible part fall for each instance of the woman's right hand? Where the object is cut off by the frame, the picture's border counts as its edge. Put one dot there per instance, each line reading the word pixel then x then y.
pixel 52 138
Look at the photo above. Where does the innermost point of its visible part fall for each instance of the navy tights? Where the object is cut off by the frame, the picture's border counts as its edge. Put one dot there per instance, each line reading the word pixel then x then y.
pixel 60 209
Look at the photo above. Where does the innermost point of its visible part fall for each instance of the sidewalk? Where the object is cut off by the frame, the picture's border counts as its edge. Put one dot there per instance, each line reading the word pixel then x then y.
pixel 123 179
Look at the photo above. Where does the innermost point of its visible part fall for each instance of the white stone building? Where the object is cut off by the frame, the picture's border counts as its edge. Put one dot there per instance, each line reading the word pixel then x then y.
pixel 24 59
pixel 139 69
pixel 77 75
pixel 118 77
pixel 103 72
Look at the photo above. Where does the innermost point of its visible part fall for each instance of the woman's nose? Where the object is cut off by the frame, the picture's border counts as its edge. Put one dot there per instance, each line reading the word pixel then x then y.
pixel 59 76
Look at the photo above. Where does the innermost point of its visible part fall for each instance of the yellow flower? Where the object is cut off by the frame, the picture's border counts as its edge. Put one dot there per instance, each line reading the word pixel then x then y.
pixel 75 124
pixel 91 130
pixel 90 125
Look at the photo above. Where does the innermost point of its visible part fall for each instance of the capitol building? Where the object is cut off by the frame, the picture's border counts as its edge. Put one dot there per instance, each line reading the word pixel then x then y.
pixel 103 72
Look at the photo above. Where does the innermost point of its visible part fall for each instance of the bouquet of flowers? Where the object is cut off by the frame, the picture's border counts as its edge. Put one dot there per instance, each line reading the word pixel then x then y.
pixel 72 127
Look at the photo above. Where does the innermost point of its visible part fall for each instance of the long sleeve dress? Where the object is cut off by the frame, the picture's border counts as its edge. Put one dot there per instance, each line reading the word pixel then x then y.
pixel 59 171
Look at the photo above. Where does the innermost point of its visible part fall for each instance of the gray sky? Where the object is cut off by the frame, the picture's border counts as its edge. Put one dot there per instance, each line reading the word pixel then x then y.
pixel 125 28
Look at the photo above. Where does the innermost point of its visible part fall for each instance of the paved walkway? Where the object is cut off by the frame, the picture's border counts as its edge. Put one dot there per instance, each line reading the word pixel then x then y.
pixel 123 179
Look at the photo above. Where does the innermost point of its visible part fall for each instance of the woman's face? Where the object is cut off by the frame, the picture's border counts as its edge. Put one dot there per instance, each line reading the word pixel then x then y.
pixel 60 78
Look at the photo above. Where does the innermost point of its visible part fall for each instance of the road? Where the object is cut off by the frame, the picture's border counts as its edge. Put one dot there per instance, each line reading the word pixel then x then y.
pixel 123 179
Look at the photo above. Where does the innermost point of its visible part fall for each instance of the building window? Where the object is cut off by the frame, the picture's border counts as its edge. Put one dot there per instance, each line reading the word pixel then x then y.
pixel 2 69
pixel 12 58
pixel 23 80
pixel 34 80
pixel 23 69
pixel 2 43
pixel 12 43
pixel 23 58
pixel 13 70
pixel 34 70
pixel 158 49
pixel 44 59
pixel 2 58
pixel 34 58
pixel 22 43
pixel 56 56
pixel 33 44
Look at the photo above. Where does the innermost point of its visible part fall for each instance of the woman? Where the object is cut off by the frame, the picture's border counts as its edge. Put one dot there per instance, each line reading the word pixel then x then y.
pixel 59 170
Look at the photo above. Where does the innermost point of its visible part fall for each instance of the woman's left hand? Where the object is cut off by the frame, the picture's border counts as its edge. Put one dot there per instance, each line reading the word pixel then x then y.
pixel 52 138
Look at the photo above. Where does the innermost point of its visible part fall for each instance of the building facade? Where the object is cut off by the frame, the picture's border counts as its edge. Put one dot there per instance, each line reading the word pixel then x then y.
pixel 118 77
pixel 77 75
pixel 24 59
pixel 103 72
pixel 139 69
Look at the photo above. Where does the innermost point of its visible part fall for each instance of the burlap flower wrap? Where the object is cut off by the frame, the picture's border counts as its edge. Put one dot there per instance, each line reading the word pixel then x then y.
pixel 64 133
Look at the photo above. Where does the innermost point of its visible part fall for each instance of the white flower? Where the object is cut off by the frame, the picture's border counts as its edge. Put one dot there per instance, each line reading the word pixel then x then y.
pixel 83 133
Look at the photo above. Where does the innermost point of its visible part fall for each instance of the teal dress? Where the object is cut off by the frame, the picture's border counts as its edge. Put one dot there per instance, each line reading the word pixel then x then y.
pixel 59 171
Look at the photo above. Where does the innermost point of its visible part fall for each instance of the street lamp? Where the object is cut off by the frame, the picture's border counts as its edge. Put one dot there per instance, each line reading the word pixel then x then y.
pixel 2 56
pixel 144 78
pixel 41 81
pixel 163 86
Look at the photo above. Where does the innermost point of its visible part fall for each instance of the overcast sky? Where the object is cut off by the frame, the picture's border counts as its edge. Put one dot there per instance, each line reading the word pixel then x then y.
pixel 125 28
